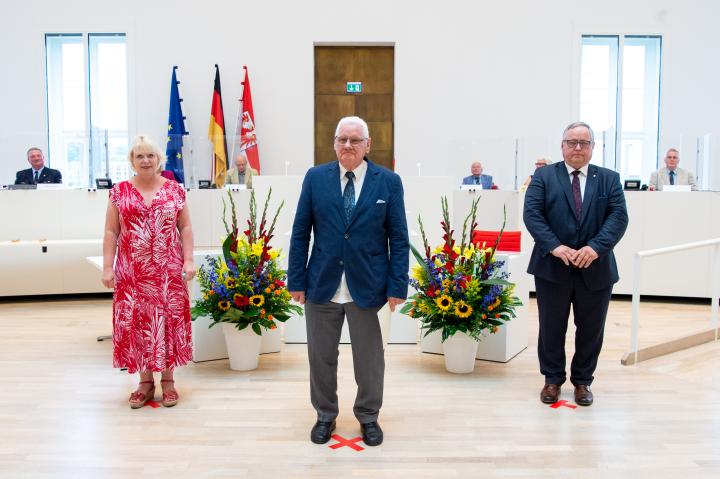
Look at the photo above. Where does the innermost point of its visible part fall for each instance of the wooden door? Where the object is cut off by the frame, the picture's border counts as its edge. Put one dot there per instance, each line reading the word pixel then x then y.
pixel 375 68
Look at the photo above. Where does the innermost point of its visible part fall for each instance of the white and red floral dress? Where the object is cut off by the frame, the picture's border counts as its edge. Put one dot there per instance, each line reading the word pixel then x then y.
pixel 151 307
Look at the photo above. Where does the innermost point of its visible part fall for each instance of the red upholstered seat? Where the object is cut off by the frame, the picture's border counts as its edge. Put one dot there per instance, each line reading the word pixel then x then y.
pixel 510 240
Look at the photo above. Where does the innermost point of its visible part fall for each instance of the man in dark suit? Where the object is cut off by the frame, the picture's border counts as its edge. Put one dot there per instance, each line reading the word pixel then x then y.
pixel 477 178
pixel 38 173
pixel 576 213
pixel 359 261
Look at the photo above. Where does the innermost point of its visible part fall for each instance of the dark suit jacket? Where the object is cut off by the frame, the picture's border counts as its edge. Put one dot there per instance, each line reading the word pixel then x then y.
pixel 48 175
pixel 485 181
pixel 549 216
pixel 372 248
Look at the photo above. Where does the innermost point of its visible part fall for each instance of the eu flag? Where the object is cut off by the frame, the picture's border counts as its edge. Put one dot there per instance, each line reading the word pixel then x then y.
pixel 176 131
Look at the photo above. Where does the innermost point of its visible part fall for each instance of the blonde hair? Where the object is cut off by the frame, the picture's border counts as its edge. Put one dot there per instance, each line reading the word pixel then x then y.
pixel 144 144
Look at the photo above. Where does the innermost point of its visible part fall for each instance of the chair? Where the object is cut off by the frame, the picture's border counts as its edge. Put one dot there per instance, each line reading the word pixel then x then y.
pixel 510 240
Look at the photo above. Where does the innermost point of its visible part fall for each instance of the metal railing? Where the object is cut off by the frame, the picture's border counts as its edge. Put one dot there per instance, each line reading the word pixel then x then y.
pixel 714 287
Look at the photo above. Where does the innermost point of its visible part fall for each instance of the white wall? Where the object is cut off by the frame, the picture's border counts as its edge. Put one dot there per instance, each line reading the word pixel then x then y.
pixel 470 76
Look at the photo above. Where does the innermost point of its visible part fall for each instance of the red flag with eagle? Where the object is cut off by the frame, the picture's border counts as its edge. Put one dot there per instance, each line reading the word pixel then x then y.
pixel 246 125
pixel 216 133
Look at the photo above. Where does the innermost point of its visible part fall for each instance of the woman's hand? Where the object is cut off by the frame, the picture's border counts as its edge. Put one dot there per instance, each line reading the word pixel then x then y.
pixel 188 271
pixel 108 278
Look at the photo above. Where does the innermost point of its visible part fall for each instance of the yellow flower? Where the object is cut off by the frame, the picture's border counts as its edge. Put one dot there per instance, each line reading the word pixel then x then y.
pixel 223 268
pixel 456 249
pixel 462 309
pixel 274 253
pixel 446 283
pixel 257 249
pixel 418 272
pixel 469 251
pixel 224 305
pixel 230 283
pixel 257 300
pixel 443 302
pixel 438 249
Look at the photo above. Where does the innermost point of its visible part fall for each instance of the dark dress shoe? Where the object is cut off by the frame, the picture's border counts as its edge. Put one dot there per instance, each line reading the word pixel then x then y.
pixel 583 395
pixel 371 433
pixel 550 393
pixel 321 432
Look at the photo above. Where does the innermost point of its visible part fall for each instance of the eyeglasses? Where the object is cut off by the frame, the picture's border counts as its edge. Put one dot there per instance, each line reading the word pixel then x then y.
pixel 342 140
pixel 584 144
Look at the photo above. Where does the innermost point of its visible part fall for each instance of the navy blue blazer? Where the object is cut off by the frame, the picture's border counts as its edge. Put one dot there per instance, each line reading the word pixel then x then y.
pixel 485 181
pixel 48 175
pixel 372 248
pixel 549 215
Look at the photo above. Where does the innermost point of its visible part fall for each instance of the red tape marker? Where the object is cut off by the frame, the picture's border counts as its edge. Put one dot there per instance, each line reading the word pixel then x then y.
pixel 153 404
pixel 342 442
pixel 562 403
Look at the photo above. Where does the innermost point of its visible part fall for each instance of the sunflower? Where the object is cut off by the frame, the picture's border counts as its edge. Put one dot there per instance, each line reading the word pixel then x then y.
pixel 462 309
pixel 446 283
pixel 257 300
pixel 443 302
pixel 230 283
pixel 224 305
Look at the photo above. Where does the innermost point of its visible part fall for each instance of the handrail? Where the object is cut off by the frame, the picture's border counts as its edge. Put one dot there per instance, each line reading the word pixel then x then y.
pixel 714 291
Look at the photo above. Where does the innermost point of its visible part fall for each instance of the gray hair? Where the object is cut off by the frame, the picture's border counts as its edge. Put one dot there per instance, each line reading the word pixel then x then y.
pixel 34 148
pixel 353 120
pixel 579 124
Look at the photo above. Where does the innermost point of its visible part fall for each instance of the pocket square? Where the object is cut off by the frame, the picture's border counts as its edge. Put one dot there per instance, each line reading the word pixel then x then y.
pixel 379 202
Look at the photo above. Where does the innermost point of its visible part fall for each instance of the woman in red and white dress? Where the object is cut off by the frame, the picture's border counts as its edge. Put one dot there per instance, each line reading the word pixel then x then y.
pixel 148 224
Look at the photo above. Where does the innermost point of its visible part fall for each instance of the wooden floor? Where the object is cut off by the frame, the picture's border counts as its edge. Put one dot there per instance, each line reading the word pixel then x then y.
pixel 64 413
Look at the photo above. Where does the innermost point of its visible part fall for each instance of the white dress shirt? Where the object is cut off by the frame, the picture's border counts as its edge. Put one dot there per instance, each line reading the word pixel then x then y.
pixel 582 176
pixel 342 295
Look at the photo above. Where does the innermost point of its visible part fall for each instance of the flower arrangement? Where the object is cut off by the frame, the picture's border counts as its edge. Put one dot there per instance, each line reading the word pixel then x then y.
pixel 246 286
pixel 460 288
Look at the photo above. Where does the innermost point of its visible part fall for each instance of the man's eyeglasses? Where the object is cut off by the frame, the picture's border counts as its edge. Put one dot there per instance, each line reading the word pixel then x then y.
pixel 584 144
pixel 342 140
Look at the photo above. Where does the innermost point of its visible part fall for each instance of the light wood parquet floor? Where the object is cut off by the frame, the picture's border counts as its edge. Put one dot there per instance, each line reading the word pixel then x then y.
pixel 64 413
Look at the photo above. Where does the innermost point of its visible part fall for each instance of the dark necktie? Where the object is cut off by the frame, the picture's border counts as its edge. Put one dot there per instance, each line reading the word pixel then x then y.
pixel 35 180
pixel 576 193
pixel 477 180
pixel 672 177
pixel 349 195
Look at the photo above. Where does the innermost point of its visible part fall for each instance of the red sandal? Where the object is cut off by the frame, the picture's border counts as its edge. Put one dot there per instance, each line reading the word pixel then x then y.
pixel 139 399
pixel 169 399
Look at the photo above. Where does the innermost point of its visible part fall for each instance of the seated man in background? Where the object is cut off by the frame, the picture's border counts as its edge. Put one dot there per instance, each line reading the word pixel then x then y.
pixel 38 173
pixel 671 174
pixel 539 163
pixel 477 178
pixel 241 174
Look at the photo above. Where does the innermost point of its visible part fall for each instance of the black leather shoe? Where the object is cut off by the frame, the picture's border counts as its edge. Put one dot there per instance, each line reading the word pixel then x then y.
pixel 583 395
pixel 371 433
pixel 550 393
pixel 321 432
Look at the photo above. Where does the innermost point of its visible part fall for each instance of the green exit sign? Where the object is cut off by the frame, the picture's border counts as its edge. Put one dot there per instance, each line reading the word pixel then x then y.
pixel 353 87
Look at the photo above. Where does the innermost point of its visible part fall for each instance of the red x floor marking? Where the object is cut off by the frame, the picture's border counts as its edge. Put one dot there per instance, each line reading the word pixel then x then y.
pixel 562 403
pixel 153 404
pixel 341 442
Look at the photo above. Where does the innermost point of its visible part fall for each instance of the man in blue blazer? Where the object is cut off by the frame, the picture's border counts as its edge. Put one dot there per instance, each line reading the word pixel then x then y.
pixel 477 178
pixel 38 173
pixel 359 261
pixel 576 214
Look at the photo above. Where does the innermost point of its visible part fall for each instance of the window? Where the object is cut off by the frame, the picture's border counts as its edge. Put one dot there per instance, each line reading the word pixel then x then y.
pixel 87 106
pixel 619 98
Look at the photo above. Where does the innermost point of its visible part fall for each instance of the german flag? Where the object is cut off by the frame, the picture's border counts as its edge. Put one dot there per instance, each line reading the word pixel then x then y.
pixel 216 133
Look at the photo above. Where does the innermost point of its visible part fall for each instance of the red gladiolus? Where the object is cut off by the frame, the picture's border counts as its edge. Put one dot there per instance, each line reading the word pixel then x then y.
pixel 279 283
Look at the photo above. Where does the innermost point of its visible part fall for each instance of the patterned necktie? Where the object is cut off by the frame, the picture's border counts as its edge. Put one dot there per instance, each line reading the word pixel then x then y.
pixel 349 195
pixel 477 180
pixel 576 193
pixel 672 177
pixel 35 180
